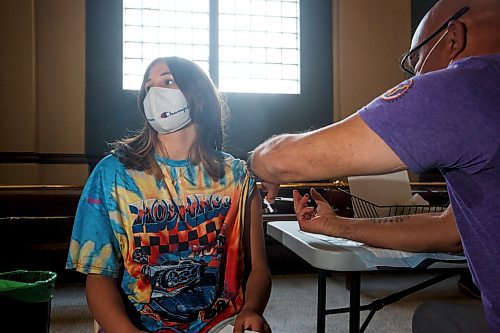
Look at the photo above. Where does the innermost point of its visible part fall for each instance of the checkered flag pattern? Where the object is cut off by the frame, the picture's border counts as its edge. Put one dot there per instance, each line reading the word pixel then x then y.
pixel 203 235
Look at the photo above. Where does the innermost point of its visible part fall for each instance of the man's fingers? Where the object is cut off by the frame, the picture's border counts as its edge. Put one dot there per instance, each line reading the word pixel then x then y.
pixel 305 214
pixel 271 191
pixel 296 200
pixel 317 197
pixel 299 201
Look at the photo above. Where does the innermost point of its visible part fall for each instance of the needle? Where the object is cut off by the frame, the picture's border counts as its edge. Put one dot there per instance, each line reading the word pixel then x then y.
pixel 283 199
pixel 269 207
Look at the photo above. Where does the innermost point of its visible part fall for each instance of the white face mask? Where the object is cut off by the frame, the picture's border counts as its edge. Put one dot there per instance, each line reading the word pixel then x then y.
pixel 166 109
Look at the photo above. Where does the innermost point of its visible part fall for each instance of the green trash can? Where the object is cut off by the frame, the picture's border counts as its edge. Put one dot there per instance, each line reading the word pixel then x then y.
pixel 25 300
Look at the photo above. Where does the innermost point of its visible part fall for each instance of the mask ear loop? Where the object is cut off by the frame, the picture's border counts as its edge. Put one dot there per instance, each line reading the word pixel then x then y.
pixel 430 52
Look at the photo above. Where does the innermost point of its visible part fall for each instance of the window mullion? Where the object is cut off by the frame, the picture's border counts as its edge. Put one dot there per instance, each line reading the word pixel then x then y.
pixel 213 58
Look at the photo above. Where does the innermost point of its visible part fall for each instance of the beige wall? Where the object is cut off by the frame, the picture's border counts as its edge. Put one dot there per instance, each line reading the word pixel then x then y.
pixel 369 38
pixel 17 82
pixel 60 28
pixel 42 87
pixel 43 84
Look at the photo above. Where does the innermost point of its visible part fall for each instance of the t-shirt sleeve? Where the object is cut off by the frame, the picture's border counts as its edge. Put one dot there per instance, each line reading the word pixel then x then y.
pixel 252 182
pixel 94 248
pixel 426 122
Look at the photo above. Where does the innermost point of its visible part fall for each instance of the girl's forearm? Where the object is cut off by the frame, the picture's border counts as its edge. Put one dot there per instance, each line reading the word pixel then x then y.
pixel 105 302
pixel 258 289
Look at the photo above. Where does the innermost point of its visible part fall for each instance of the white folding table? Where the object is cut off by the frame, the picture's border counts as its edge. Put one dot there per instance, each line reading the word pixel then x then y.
pixel 326 257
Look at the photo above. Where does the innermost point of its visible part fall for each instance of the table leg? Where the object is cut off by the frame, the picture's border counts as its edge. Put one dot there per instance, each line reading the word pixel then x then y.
pixel 354 307
pixel 321 314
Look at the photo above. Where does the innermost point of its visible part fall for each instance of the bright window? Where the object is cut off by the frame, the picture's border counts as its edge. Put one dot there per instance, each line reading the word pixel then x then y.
pixel 257 48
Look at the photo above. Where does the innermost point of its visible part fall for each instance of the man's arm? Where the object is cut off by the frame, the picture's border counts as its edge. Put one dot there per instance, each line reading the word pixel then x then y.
pixel 258 286
pixel 345 148
pixel 433 232
pixel 415 233
pixel 106 305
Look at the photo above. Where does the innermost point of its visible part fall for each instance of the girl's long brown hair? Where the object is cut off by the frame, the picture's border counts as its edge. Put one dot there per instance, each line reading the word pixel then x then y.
pixel 207 111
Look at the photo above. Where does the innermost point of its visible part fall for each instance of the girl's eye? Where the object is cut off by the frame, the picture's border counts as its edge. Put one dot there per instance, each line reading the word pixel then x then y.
pixel 169 82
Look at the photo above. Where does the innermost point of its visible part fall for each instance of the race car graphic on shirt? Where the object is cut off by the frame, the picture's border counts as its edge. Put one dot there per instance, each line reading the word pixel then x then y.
pixel 184 262
pixel 170 280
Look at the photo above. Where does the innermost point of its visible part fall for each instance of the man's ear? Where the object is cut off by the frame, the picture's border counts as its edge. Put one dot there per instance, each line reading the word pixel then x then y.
pixel 458 38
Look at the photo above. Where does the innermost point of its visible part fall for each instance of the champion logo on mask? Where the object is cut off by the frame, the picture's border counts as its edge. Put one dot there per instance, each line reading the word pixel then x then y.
pixel 397 91
pixel 169 114
pixel 166 109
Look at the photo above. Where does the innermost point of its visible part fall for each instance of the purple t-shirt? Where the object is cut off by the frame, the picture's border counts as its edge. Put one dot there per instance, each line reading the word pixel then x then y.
pixel 450 119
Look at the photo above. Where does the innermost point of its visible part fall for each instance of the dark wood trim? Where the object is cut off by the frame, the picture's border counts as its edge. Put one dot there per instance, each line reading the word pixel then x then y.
pixel 47 158
pixel 40 190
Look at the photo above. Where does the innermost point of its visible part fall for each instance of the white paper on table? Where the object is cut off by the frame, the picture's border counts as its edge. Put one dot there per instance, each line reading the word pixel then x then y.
pixel 347 243
pixel 229 329
pixel 391 189
pixel 334 240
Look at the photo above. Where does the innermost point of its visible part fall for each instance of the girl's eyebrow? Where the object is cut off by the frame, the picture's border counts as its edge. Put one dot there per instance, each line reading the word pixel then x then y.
pixel 162 74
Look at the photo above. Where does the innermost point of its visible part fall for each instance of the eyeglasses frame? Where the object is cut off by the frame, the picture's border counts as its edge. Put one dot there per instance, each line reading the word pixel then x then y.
pixel 407 55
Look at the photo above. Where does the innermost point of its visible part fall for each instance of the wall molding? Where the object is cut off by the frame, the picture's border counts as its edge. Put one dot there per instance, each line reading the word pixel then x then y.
pixel 47 158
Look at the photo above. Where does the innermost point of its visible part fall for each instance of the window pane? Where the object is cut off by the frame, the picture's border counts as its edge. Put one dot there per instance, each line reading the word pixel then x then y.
pixel 134 33
pixel 133 17
pixel 258 54
pixel 153 4
pixel 273 23
pixel 290 56
pixel 258 71
pixel 132 81
pixel 273 55
pixel 154 28
pixel 274 40
pixel 150 34
pixel 290 72
pixel 134 66
pixel 289 41
pixel 274 8
pixel 132 4
pixel 289 9
pixel 168 48
pixel 150 18
pixel 241 7
pixel 132 50
pixel 259 46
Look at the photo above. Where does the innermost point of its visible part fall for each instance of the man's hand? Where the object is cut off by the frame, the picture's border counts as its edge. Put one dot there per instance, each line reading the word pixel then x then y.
pixel 319 220
pixel 250 320
pixel 271 191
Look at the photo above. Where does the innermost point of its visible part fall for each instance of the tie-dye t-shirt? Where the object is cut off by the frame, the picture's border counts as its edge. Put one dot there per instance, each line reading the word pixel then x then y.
pixel 175 244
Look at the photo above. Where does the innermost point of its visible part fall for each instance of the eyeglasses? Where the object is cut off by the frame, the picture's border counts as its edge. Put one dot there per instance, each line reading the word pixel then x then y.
pixel 408 61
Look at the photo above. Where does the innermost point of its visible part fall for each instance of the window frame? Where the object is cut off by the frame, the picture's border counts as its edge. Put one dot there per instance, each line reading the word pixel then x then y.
pixel 213 44
pixel 111 112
